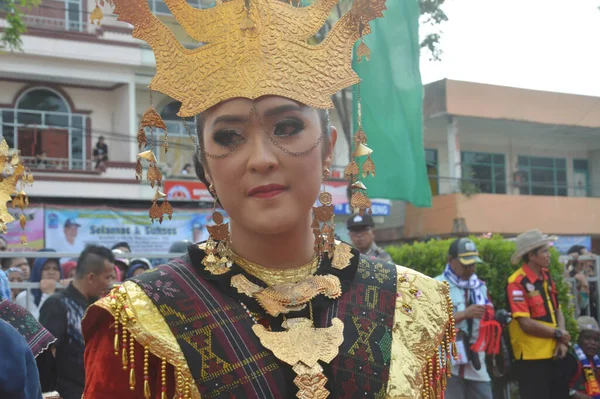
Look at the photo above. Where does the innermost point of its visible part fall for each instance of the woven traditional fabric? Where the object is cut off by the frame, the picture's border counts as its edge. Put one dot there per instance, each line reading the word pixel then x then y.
pixel 227 360
pixel 367 309
pixel 37 337
pixel 215 335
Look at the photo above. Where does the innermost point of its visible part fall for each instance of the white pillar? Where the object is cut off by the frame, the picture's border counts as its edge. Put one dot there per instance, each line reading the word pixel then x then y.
pixel 454 166
pixel 133 121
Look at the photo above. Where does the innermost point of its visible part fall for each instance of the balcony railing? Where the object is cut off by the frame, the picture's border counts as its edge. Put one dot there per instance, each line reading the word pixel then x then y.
pixel 56 24
pixel 58 164
pixel 473 185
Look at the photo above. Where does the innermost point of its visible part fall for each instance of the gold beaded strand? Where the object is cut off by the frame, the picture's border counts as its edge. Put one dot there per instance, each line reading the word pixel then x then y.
pixel 131 362
pixel 188 389
pixel 147 391
pixel 116 339
pixel 163 377
pixel 180 384
pixel 124 348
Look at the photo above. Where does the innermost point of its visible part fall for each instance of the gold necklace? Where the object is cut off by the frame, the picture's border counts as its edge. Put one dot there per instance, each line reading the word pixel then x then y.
pixel 272 276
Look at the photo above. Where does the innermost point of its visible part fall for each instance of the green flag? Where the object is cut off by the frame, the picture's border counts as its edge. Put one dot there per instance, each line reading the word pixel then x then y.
pixel 392 101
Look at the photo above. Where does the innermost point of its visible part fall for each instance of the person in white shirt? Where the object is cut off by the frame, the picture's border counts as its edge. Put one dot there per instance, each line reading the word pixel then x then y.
pixel 48 273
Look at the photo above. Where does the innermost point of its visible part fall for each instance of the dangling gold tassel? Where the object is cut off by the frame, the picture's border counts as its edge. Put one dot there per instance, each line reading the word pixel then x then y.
pixel 180 385
pixel 155 212
pixel 166 209
pixel 147 391
pixel 138 169
pixel 124 349
pixel 359 199
pixel 368 167
pixel 131 362
pixel 116 312
pixel 363 51
pixel 351 170
pixel 151 118
pixel 154 175
pixel 163 377
pixel 142 139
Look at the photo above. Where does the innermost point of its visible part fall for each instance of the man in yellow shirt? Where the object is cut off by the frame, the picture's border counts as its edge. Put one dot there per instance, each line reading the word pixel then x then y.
pixel 538 336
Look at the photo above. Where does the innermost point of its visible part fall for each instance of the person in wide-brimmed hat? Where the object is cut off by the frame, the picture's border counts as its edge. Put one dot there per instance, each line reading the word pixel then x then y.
pixel 537 332
pixel 528 242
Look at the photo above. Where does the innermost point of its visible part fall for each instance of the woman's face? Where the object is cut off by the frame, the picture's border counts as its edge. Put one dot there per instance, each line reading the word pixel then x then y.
pixel 264 187
pixel 51 271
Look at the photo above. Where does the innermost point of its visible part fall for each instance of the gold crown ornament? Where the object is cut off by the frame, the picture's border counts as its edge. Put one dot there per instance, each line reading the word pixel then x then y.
pixel 13 179
pixel 253 48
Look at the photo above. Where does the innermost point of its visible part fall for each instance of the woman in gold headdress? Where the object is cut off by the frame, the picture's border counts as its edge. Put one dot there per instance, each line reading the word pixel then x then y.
pixel 271 306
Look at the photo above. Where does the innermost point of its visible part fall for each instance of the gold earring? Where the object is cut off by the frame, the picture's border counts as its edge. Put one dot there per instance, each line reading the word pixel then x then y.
pixel 218 247
pixel 323 224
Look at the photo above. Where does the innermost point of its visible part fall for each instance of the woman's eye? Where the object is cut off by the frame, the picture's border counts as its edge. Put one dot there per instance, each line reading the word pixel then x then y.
pixel 227 138
pixel 288 127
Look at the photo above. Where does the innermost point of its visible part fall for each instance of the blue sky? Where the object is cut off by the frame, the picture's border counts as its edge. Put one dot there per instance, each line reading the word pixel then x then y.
pixel 551 45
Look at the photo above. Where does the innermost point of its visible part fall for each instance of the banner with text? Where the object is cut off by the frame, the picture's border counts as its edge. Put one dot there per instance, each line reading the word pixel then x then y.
pixel 70 230
pixel 34 230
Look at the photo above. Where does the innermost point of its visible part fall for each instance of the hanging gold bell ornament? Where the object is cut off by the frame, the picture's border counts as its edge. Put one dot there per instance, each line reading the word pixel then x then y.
pixel 218 248
pixel 158 212
pixel 152 120
pixel 359 200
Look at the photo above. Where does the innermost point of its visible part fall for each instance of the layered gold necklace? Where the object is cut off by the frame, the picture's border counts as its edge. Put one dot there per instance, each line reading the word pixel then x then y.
pixel 301 345
pixel 272 276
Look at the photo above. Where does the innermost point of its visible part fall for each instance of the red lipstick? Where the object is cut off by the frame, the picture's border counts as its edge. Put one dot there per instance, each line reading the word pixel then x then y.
pixel 268 191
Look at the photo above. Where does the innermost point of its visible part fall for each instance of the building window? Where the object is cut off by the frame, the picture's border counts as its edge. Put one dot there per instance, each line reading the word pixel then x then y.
pixel 581 176
pixel 431 160
pixel 42 124
pixel 73 15
pixel 175 125
pixel 486 171
pixel 542 176
pixel 159 6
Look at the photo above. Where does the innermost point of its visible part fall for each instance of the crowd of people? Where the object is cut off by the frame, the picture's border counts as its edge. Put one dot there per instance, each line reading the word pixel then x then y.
pixel 48 318
pixel 544 360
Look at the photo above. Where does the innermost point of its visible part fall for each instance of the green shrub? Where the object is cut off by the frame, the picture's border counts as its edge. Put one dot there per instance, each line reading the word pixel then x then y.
pixel 430 259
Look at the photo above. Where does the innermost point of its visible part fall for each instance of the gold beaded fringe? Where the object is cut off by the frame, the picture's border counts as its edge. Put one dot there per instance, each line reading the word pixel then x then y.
pixel 438 367
pixel 126 340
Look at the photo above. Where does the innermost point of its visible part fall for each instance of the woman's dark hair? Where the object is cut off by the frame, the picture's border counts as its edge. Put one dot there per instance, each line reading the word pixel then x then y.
pixel 200 158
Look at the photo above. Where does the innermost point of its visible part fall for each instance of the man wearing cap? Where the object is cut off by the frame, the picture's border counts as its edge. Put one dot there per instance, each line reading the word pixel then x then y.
pixel 474 315
pixel 583 362
pixel 71 229
pixel 362 235
pixel 537 333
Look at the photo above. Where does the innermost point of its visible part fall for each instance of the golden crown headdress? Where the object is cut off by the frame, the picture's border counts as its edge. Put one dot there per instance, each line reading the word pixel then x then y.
pixel 251 48
pixel 13 179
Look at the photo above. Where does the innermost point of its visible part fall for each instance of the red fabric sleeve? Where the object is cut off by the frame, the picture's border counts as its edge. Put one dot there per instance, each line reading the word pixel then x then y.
pixel 105 377
pixel 516 300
